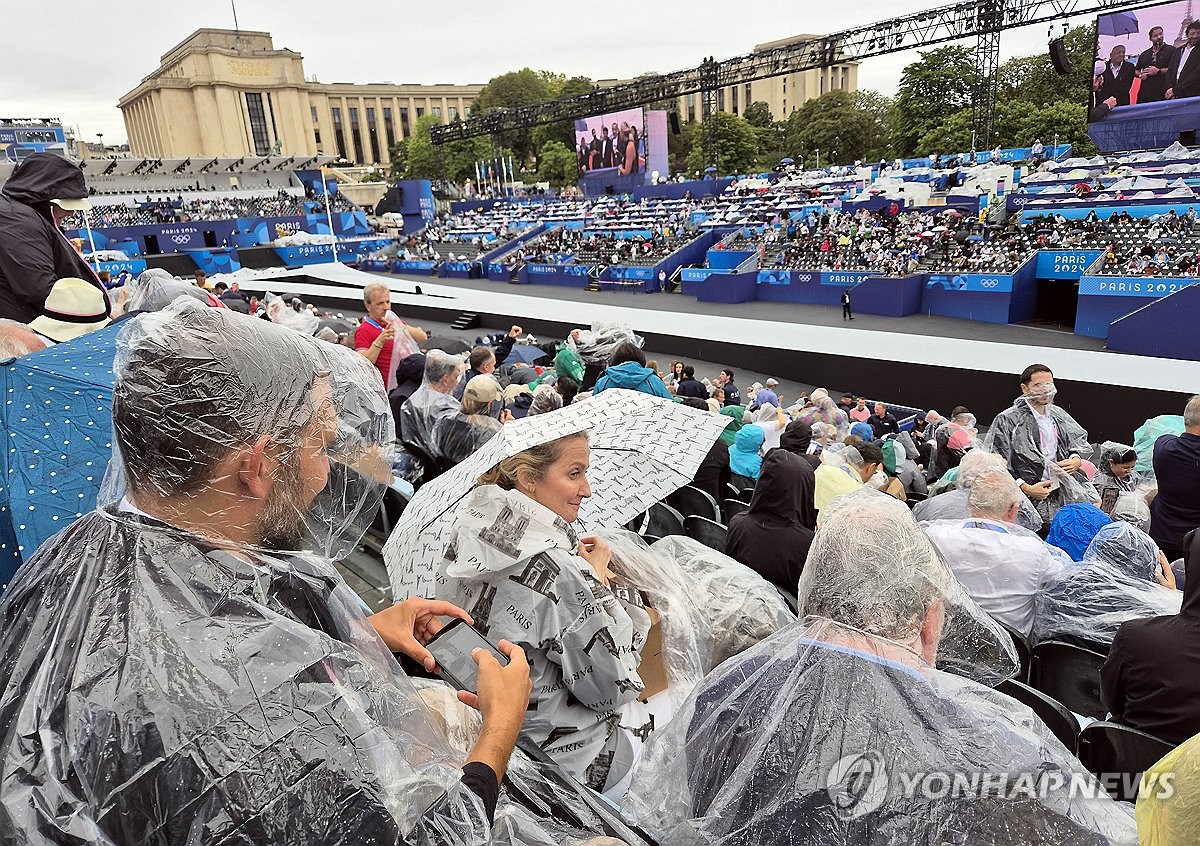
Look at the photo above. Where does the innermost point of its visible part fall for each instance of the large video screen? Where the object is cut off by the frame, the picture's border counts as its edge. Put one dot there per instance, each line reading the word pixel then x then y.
pixel 1145 56
pixel 613 142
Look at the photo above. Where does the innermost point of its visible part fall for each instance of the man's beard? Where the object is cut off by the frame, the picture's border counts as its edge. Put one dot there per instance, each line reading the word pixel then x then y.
pixel 283 523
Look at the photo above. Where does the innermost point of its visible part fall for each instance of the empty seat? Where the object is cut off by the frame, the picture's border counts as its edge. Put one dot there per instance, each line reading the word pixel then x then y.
pixel 1057 716
pixel 732 507
pixel 1111 748
pixel 1070 674
pixel 690 500
pixel 663 520
pixel 708 532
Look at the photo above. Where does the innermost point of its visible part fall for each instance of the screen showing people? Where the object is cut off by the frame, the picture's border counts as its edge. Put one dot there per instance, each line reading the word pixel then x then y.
pixel 1145 56
pixel 611 141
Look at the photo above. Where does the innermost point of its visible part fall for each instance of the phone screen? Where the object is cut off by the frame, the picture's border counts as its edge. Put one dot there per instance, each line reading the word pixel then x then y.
pixel 452 648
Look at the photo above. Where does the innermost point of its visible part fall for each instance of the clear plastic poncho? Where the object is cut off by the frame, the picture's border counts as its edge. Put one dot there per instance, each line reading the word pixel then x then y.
pixel 839 730
pixel 185 665
pixel 421 412
pixel 1014 435
pixel 155 289
pixel 596 345
pixel 303 321
pixel 1114 583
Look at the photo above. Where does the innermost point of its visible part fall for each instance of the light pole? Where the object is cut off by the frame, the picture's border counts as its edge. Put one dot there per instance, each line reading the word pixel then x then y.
pixel 818 158
pixel 100 135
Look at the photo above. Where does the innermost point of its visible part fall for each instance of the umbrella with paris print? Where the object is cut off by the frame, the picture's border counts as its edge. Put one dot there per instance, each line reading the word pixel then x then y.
pixel 642 449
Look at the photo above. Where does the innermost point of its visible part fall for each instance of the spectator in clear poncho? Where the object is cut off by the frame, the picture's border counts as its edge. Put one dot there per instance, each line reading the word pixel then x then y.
pixel 155 289
pixel 953 505
pixel 431 402
pixel 1123 576
pixel 844 471
pixel 811 736
pixel 825 410
pixel 185 665
pixel 953 439
pixel 1000 566
pixel 1043 445
pixel 480 416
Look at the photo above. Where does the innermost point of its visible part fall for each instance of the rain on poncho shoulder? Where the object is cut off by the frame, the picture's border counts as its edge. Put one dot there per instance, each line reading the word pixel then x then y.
pixel 1014 435
pixel 837 730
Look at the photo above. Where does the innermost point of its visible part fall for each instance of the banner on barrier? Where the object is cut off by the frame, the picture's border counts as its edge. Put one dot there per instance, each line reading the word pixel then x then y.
pixel 557 269
pixel 833 278
pixel 991 283
pixel 1130 286
pixel 645 273
pixel 1065 264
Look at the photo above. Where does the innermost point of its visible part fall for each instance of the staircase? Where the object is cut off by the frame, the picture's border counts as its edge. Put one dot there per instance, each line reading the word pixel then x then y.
pixel 466 320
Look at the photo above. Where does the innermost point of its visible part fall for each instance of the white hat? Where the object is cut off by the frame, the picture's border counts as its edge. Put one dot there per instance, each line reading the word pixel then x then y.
pixel 73 203
pixel 771 383
pixel 73 308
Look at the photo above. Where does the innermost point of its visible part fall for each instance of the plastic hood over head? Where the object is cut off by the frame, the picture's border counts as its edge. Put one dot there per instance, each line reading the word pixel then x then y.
pixel 873 569
pixel 43 177
pixel 834 732
pixel 280 312
pixel 596 345
pixel 155 289
pixel 201 391
pixel 1114 583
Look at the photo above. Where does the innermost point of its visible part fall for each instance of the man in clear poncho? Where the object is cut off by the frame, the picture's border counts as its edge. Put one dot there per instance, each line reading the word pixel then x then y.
pixel 1123 576
pixel 185 666
pixel 953 504
pixel 431 402
pixel 1043 445
pixel 839 729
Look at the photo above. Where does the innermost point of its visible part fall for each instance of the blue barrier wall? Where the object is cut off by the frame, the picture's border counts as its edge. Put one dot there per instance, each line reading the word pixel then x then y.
pixel 1165 328
pixel 808 286
pixel 727 288
pixel 679 190
pixel 1103 299
pixel 727 259
pixel 564 275
pixel 889 296
pixel 1022 304
pixel 420 268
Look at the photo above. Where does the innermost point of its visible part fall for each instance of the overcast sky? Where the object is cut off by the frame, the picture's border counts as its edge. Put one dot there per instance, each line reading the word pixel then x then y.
pixel 74 59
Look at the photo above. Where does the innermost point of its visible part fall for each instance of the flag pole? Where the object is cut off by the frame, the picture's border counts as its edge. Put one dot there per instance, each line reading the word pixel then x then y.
pixel 328 213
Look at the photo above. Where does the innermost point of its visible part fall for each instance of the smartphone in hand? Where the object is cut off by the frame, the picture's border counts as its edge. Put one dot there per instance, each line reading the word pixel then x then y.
pixel 452 648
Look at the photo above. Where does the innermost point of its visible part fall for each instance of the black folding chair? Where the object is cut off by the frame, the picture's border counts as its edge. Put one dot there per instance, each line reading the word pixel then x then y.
pixel 732 507
pixel 732 490
pixel 690 500
pixel 1057 716
pixel 1069 674
pixel 664 520
pixel 1110 748
pixel 708 532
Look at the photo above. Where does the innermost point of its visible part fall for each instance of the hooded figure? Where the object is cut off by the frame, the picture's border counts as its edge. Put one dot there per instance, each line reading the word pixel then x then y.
pixel 1116 582
pixel 155 289
pixel 744 459
pixel 34 253
pixel 796 439
pixel 1074 527
pixel 1151 680
pixel 772 537
pixel 635 377
pixel 409 373
pixel 811 736
pixel 737 419
pixel 205 675
pixel 825 410
pixel 430 403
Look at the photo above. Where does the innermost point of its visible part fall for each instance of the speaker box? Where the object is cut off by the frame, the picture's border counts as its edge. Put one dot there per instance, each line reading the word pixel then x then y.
pixel 1058 57
pixel 673 118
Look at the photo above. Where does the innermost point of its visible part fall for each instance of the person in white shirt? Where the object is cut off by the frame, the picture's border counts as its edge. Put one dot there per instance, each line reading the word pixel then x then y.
pixel 1000 565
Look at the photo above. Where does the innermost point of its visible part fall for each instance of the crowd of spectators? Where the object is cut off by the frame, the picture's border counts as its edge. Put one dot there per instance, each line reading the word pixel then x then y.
pixel 158 210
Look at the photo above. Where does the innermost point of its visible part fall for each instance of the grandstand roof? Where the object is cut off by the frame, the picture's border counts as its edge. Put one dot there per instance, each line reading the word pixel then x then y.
pixel 202 164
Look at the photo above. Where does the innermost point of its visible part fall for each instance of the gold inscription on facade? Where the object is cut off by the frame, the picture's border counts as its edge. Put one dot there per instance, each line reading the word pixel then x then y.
pixel 242 67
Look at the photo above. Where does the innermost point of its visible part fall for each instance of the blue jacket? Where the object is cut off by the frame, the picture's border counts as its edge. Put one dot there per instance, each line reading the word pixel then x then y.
pixel 633 376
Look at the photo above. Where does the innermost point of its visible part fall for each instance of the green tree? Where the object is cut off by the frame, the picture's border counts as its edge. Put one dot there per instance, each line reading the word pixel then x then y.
pixel 758 114
pixel 844 125
pixel 422 160
pixel 932 88
pixel 1021 123
pixel 455 160
pixel 525 87
pixel 736 144
pixel 565 130
pixel 559 165
pixel 398 155
pixel 1033 80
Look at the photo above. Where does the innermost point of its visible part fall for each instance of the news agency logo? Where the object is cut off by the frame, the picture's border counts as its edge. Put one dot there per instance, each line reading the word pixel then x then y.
pixel 859 784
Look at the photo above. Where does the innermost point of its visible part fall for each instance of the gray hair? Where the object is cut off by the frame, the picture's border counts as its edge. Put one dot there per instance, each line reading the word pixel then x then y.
pixel 871 567
pixel 821 430
pixel 975 462
pixel 17 339
pixel 439 365
pixel 994 494
pixel 372 288
pixel 1191 413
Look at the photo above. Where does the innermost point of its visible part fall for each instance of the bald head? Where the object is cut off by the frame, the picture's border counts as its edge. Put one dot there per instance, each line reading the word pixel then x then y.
pixel 17 339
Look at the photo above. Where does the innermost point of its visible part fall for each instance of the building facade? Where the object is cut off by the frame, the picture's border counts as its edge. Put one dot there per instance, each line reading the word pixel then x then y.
pixel 223 92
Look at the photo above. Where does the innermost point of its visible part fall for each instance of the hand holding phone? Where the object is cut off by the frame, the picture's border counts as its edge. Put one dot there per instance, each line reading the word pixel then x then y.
pixel 453 648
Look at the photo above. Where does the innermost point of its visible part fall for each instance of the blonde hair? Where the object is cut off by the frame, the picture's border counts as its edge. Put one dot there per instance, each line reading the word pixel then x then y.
pixel 536 461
